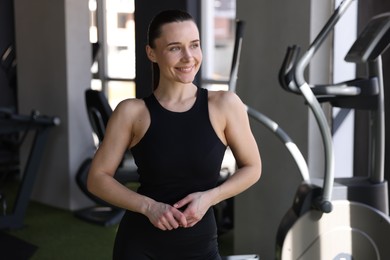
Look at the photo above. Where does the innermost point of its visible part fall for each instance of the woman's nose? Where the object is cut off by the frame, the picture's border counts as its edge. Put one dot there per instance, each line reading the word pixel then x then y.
pixel 187 54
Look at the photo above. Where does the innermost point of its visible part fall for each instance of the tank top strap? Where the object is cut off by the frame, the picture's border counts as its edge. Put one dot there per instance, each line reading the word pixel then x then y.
pixel 151 104
pixel 202 99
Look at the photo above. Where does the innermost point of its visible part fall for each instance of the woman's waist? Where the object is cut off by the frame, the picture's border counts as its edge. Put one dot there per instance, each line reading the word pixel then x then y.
pixel 170 194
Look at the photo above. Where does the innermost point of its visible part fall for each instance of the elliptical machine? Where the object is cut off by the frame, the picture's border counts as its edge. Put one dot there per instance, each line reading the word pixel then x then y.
pixel 342 218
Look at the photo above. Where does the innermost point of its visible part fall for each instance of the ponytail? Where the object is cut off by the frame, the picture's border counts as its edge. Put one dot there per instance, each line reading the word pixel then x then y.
pixel 155 76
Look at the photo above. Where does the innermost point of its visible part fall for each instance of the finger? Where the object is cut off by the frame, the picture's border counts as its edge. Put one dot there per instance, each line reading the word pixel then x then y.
pixel 191 224
pixel 180 218
pixel 161 226
pixel 182 202
pixel 174 220
pixel 164 224
pixel 167 226
pixel 189 214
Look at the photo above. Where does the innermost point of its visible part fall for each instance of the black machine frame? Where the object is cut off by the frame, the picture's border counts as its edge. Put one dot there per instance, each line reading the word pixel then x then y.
pixel 12 123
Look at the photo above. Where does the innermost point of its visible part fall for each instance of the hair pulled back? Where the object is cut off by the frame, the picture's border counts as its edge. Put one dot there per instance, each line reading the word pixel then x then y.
pixel 154 32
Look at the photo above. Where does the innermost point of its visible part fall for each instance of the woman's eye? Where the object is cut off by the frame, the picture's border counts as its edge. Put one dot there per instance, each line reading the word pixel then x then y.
pixel 175 48
pixel 195 45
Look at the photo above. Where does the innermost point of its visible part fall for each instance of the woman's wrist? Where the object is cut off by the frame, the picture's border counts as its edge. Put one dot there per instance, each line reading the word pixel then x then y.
pixel 146 205
pixel 214 195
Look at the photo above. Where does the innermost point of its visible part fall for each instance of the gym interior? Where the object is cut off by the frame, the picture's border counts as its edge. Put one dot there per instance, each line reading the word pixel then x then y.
pixel 46 135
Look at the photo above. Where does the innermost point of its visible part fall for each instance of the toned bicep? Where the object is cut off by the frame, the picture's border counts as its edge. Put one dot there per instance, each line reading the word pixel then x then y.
pixel 116 141
pixel 239 135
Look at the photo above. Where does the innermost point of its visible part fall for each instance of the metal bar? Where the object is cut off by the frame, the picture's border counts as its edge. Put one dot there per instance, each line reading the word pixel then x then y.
pixel 328 27
pixel 339 119
pixel 377 124
pixel 240 25
pixel 283 136
pixel 326 134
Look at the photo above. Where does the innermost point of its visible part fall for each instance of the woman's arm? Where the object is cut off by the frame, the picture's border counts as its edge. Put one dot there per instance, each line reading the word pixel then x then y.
pixel 238 135
pixel 118 138
pixel 242 143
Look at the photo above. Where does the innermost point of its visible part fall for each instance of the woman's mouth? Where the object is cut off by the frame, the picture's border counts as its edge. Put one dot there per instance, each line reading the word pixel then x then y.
pixel 185 69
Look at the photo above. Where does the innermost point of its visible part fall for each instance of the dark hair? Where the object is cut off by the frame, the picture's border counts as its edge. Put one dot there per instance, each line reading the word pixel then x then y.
pixel 154 32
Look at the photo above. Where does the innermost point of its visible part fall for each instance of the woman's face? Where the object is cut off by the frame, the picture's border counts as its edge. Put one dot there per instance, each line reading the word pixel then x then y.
pixel 177 52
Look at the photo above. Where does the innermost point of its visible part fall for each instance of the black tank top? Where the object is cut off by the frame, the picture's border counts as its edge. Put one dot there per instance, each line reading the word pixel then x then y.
pixel 180 153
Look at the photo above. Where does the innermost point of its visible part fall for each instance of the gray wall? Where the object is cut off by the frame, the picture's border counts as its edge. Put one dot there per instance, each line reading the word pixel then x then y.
pixel 54 60
pixel 270 27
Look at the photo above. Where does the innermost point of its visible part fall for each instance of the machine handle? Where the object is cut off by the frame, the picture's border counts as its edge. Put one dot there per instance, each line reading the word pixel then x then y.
pixel 240 26
pixel 315 45
pixel 324 202
pixel 286 72
pixel 35 118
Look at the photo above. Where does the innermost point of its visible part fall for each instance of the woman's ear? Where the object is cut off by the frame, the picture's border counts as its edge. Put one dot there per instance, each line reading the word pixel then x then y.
pixel 150 53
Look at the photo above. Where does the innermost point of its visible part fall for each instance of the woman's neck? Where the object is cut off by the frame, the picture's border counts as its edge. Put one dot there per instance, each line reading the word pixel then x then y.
pixel 176 99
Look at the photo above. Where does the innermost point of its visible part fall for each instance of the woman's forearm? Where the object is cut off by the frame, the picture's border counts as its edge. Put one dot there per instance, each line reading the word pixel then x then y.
pixel 238 182
pixel 110 190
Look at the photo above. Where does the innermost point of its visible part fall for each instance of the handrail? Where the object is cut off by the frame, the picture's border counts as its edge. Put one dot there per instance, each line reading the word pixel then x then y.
pixel 240 26
pixel 283 136
pixel 292 78
pixel 34 118
pixel 314 46
pixel 324 202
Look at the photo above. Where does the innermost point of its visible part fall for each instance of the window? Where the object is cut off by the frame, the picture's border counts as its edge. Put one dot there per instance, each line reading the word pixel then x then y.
pixel 112 26
pixel 217 41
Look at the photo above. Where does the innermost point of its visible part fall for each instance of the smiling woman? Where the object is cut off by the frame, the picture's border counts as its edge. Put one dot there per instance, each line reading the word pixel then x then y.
pixel 178 136
pixel 178 51
pixel 178 54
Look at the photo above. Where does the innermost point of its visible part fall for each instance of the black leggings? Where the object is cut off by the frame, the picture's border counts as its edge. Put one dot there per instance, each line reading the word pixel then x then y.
pixel 138 239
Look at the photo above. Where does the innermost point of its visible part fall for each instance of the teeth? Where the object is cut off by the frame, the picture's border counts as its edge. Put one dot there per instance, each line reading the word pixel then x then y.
pixel 185 69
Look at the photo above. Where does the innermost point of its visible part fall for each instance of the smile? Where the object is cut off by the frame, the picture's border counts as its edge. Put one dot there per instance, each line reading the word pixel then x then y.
pixel 185 69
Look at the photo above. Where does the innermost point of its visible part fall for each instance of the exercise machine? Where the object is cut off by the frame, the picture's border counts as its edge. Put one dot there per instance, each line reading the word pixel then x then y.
pixel 341 218
pixel 18 123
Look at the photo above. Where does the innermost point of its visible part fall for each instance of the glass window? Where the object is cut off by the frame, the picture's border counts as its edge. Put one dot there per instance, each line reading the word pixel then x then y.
pixel 112 27
pixel 120 39
pixel 217 42
pixel 224 25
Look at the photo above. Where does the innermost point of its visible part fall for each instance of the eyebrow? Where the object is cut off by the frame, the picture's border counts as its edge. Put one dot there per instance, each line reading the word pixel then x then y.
pixel 176 43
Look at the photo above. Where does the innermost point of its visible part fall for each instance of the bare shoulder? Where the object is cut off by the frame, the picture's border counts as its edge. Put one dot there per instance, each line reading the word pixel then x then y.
pixel 128 112
pixel 225 100
pixel 133 115
pixel 130 103
pixel 130 108
pixel 225 107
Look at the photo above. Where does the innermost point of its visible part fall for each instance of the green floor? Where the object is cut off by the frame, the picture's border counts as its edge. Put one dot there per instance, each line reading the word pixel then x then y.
pixel 60 235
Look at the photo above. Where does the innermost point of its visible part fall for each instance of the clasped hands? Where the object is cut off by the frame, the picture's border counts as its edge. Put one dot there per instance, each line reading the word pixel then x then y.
pixel 184 213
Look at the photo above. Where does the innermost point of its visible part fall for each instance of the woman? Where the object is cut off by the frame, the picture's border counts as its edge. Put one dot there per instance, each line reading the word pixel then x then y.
pixel 178 137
